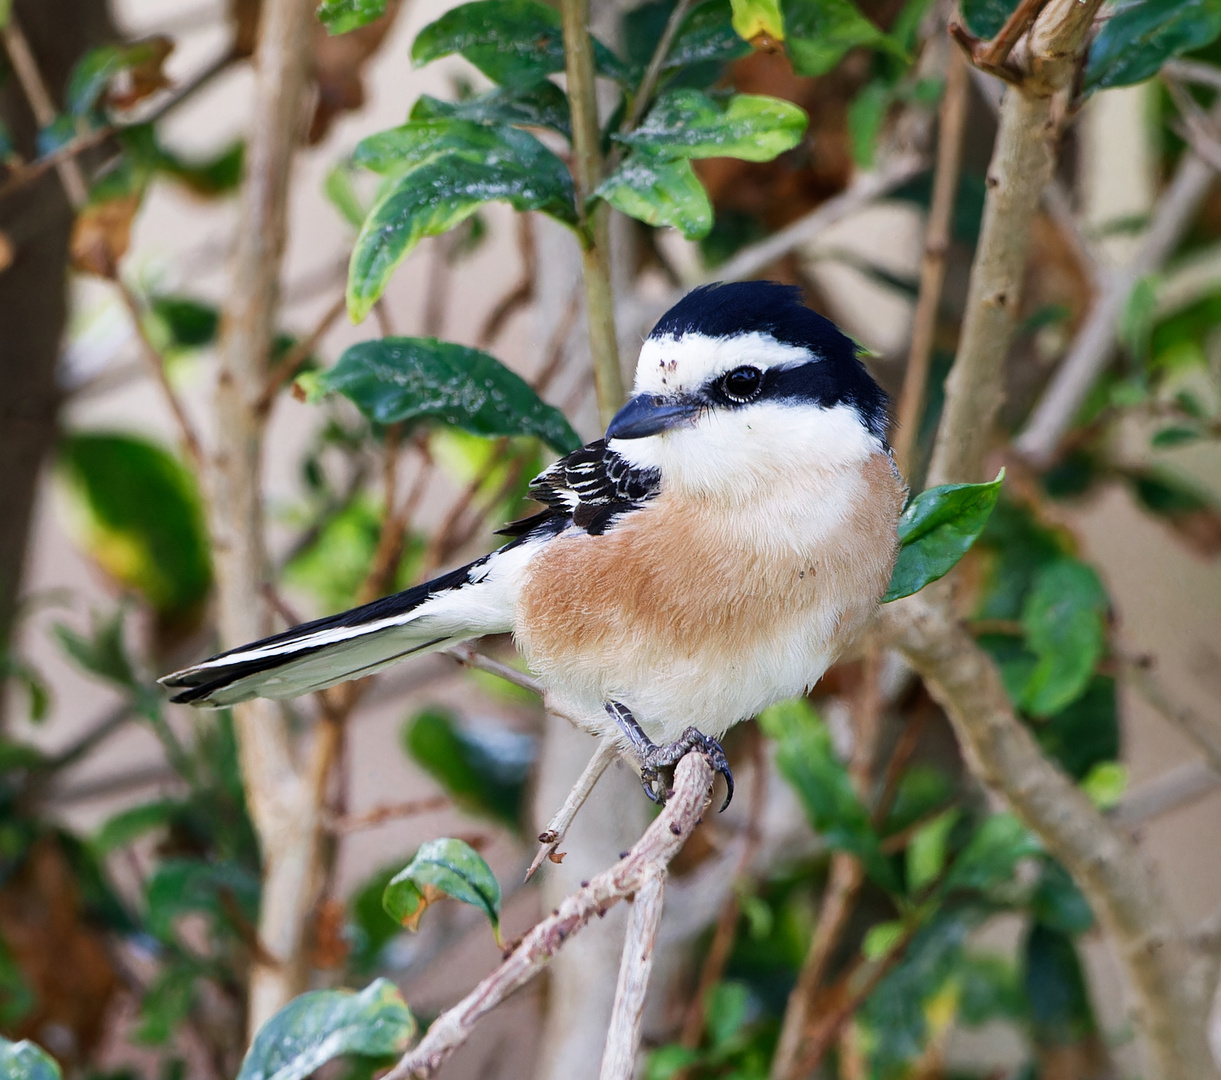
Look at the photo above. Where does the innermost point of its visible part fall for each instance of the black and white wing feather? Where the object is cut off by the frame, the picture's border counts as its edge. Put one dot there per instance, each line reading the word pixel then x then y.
pixel 588 489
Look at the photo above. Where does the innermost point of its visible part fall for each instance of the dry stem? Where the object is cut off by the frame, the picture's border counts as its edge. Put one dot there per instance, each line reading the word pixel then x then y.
pixel 648 858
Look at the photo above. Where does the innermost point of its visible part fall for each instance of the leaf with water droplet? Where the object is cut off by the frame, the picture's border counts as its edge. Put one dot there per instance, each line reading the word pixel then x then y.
pixel 318 1027
pixel 660 191
pixel 402 379
pixel 690 124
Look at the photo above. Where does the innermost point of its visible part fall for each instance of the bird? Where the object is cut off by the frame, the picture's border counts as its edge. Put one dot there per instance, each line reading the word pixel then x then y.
pixel 724 543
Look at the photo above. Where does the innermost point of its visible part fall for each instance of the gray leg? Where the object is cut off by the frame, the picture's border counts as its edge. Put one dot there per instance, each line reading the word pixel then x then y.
pixel 653 758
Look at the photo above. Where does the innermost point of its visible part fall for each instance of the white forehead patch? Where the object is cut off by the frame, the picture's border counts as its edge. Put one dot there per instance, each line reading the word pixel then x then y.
pixel 670 365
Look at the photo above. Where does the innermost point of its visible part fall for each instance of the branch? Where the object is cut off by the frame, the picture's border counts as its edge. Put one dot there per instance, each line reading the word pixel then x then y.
pixel 864 189
pixel 623 1037
pixel 553 834
pixel 647 860
pixel 1112 873
pixel 932 266
pixel 284 803
pixel 644 92
pixel 595 248
pixel 1095 341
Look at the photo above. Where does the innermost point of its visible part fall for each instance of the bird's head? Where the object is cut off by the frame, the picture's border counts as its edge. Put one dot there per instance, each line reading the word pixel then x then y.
pixel 740 383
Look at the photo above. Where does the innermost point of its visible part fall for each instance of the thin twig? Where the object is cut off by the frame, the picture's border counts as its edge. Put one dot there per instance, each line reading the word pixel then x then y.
pixel 551 837
pixel 1205 736
pixel 644 92
pixel 468 656
pixel 997 51
pixel 932 266
pixel 290 363
pixel 155 363
pixel 635 967
pixel 102 729
pixel 1193 71
pixel 35 89
pixel 1171 790
pixel 652 853
pixel 350 823
pixel 557 350
pixel 713 968
pixel 520 294
pixel 864 189
pixel 1094 344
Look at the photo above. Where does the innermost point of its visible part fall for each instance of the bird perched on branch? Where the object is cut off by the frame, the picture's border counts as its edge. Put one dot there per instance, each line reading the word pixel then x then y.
pixel 713 554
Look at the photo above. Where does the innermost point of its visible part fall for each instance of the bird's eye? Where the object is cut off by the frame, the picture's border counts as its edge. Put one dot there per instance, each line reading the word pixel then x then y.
pixel 742 383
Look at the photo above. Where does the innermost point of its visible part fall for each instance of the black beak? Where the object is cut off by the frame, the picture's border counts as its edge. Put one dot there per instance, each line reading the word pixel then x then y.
pixel 648 414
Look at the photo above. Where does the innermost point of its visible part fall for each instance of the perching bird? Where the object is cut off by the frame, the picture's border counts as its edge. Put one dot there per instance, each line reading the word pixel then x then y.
pixel 713 554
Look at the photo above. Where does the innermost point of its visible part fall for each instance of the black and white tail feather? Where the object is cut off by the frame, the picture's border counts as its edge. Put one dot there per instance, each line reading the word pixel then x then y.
pixel 587 490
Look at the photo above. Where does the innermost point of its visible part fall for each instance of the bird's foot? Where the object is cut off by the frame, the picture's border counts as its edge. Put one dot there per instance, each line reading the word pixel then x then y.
pixel 657 761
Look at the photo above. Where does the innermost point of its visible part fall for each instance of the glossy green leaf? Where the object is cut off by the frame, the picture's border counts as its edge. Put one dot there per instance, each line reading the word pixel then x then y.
pixel 660 191
pixel 984 18
pixel 136 510
pixel 340 16
pixel 1142 35
pixel 690 124
pixel 754 17
pixel 540 105
pixel 513 42
pixel 184 886
pixel 397 379
pixel 444 191
pixel 992 854
pixel 819 33
pixel 1060 1012
pixel 318 1027
pixel 807 761
pixel 26 1061
pixel 444 867
pixel 420 141
pixel 1064 619
pixel 927 851
pixel 484 772
pixel 1058 903
pixel 937 529
pixel 706 36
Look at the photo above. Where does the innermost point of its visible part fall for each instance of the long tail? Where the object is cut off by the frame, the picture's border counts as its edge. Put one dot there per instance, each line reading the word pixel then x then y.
pixel 474 600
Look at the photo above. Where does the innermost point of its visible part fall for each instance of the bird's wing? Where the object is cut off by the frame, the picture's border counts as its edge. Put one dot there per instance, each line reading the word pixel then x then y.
pixel 589 488
pixel 474 600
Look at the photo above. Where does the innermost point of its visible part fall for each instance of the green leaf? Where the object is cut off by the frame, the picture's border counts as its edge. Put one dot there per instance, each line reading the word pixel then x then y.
pixel 444 867
pixel 989 990
pixel 726 1013
pixel 807 761
pixel 865 117
pixel 166 1004
pixel 881 938
pixel 1058 903
pixel 179 887
pixel 992 854
pixel 926 854
pixel 819 32
pixel 397 379
pixel 1142 35
pixel 1175 436
pixel 444 191
pixel 185 323
pixel 513 42
pixel 706 36
pixel 341 192
pixel 128 825
pixel 660 191
pixel 103 653
pixel 984 18
pixel 370 928
pixel 26 1061
pixel 937 529
pixel 1064 622
pixel 318 1027
pixel 1084 733
pixel 93 73
pixel 690 124
pixel 754 17
pixel 1105 784
pixel 136 510
pixel 1055 988
pixel 340 16
pixel 17 998
pixel 540 105
pixel 484 772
